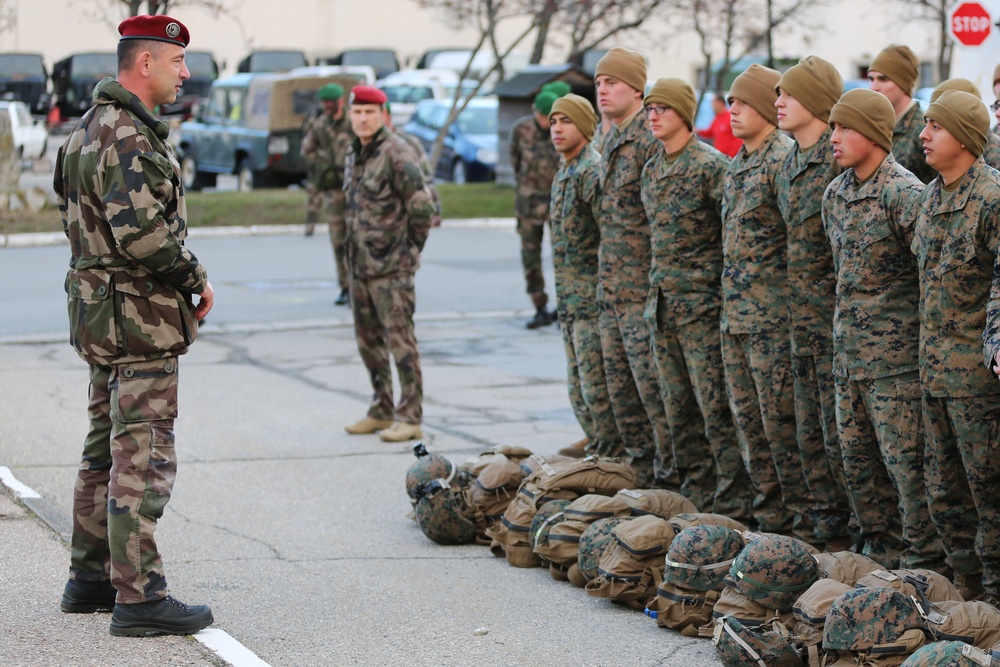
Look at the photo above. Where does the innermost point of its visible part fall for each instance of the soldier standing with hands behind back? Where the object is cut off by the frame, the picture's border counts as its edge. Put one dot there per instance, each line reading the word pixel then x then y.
pixel 130 294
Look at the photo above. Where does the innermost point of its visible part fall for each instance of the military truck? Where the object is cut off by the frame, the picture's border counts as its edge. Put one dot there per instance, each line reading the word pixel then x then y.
pixel 23 77
pixel 74 78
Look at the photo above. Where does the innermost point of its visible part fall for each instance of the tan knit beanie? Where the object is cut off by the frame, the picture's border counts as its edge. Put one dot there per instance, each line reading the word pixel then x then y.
pixel 676 94
pixel 964 85
pixel 867 112
pixel 625 65
pixel 964 115
pixel 578 110
pixel 899 64
pixel 815 83
pixel 755 87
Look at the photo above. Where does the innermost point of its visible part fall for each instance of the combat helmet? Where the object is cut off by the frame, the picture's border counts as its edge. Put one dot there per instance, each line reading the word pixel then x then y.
pixel 700 556
pixel 547 516
pixel 774 570
pixel 442 513
pixel 767 645
pixel 430 466
pixel 950 654
pixel 873 620
pixel 593 541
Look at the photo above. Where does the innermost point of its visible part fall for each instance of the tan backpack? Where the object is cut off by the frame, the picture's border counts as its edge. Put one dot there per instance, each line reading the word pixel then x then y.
pixel 976 623
pixel 661 502
pixel 913 583
pixel 561 545
pixel 493 489
pixel 732 602
pixel 810 612
pixel 689 519
pixel 631 567
pixel 845 566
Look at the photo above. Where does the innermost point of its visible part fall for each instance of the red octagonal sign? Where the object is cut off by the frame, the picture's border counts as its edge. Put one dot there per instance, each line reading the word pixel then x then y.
pixel 970 24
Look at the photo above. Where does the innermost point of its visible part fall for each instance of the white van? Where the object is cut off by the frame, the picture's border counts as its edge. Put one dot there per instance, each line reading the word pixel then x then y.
pixel 405 89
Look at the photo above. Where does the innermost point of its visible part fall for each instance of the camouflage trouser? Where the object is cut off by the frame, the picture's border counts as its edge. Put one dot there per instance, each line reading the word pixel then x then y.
pixel 706 451
pixel 125 478
pixel 881 436
pixel 759 385
pixel 963 466
pixel 635 394
pixel 383 324
pixel 588 388
pixel 531 232
pixel 338 235
pixel 819 447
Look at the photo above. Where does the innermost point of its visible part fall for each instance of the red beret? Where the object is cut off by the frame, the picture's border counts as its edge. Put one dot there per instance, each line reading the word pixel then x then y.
pixel 157 28
pixel 367 95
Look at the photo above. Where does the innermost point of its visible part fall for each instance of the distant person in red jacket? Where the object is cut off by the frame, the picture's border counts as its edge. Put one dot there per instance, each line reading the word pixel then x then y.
pixel 719 132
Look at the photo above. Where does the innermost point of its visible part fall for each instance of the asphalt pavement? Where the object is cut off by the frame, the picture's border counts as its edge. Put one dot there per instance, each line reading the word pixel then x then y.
pixel 294 532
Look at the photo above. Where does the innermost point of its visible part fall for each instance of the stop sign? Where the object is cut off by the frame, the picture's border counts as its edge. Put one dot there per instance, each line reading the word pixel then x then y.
pixel 970 24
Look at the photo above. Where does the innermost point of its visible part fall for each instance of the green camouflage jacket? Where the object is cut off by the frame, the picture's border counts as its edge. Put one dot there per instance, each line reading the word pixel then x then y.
pixel 991 151
pixel 683 202
pixel 426 170
pixel 576 195
pixel 876 326
pixel 908 147
pixel 535 163
pixel 389 208
pixel 956 242
pixel 754 274
pixel 325 143
pixel 625 255
pixel 122 206
pixel 801 183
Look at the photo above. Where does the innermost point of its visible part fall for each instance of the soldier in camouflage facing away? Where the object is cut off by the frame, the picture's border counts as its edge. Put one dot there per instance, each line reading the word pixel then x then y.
pixel 389 214
pixel 624 260
pixel 868 214
pixel 576 195
pixel 682 198
pixel 754 322
pixel 130 294
pixel 806 93
pixel 324 147
pixel 955 239
pixel 894 73
pixel 535 163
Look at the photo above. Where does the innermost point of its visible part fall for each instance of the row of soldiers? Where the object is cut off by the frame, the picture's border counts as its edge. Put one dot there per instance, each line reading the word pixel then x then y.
pixel 802 337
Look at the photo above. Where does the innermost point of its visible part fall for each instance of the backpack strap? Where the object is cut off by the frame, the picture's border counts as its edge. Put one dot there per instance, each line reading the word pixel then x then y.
pixel 724 627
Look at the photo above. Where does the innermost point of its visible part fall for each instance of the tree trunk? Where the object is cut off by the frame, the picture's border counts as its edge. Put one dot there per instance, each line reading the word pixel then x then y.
pixel 543 35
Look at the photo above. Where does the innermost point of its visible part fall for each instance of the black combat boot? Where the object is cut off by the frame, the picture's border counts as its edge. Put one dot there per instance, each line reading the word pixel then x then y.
pixel 87 597
pixel 160 617
pixel 542 318
pixel 344 298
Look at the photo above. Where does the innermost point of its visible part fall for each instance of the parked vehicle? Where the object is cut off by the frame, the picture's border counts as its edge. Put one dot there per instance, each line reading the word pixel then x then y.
pixel 23 77
pixel 405 89
pixel 31 139
pixel 74 78
pixel 251 126
pixel 204 70
pixel 272 60
pixel 482 63
pixel 364 73
pixel 470 147
pixel 384 61
pixel 424 62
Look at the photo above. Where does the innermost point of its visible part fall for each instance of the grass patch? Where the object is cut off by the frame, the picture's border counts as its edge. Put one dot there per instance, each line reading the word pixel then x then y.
pixel 283 207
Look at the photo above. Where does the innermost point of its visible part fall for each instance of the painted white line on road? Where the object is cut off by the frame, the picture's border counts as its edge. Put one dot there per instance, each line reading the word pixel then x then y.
pixel 227 648
pixel 22 491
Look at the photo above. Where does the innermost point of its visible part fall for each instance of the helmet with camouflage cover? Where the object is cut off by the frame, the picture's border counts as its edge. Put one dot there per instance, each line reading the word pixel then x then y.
pixel 594 539
pixel 548 515
pixel 443 514
pixel 700 556
pixel 862 618
pixel 431 466
pixel 768 645
pixel 950 654
pixel 774 570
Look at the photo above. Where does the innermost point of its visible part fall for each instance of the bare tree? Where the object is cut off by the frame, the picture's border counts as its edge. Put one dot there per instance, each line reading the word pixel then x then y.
pixel 935 12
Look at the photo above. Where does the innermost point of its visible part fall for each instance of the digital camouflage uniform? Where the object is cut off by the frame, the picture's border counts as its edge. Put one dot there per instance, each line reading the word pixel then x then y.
pixel 576 195
pixel 324 146
pixel 755 343
pixel 427 171
pixel 956 237
pixel 682 199
pixel 908 147
pixel 801 182
pixel 876 329
pixel 535 163
pixel 991 151
pixel 624 261
pixel 389 212
pixel 129 293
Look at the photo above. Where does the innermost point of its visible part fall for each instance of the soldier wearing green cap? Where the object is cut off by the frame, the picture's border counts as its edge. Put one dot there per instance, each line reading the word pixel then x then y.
pixel 326 138
pixel 535 163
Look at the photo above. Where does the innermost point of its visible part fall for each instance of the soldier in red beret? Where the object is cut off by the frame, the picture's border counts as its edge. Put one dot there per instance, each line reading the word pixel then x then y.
pixel 133 311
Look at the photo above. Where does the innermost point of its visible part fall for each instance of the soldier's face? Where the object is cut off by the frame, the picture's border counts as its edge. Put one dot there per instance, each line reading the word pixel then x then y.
pixel 792 115
pixel 880 83
pixel 850 147
pixel 941 149
pixel 366 120
pixel 616 98
pixel 331 107
pixel 566 136
pixel 167 72
pixel 746 122
pixel 666 125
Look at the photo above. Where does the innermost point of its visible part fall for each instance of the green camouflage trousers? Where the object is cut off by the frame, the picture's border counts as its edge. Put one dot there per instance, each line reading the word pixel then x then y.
pixel 819 447
pixel 383 324
pixel 963 467
pixel 531 232
pixel 588 388
pixel 759 385
pixel 125 478
pixel 706 450
pixel 334 214
pixel 882 438
pixel 635 394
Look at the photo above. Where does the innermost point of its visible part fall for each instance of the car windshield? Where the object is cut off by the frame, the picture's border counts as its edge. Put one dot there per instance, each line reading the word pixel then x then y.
pixel 14 66
pixel 478 120
pixel 94 65
pixel 407 94
pixel 467 88
pixel 201 65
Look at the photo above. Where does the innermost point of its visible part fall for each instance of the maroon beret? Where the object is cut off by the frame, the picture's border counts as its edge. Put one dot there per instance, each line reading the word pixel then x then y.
pixel 157 28
pixel 367 95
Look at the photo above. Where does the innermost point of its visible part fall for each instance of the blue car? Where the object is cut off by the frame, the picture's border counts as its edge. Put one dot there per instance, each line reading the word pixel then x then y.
pixel 470 149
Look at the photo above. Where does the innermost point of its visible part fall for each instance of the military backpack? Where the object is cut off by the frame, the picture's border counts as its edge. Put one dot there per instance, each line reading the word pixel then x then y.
pixel 765 645
pixel 924 584
pixel 660 502
pixel 951 654
pixel 631 567
pixel 562 544
pixel 594 540
pixel 976 623
pixel 845 566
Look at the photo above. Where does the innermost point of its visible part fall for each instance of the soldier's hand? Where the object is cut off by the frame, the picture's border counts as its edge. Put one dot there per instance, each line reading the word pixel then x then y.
pixel 996 364
pixel 205 302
